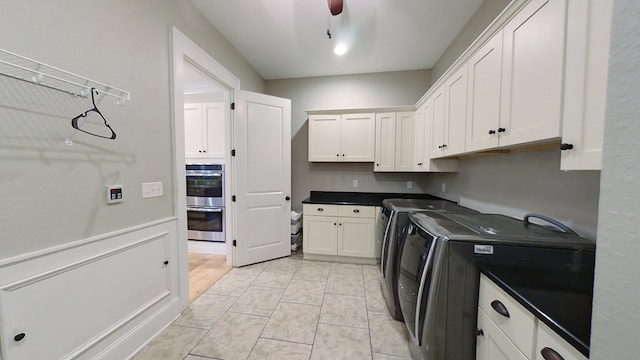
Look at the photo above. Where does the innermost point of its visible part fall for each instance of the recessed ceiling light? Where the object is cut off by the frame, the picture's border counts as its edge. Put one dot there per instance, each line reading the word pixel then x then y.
pixel 340 49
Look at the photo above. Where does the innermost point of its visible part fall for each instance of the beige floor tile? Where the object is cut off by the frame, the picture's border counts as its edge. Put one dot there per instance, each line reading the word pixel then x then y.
pixel 232 284
pixel 174 342
pixel 232 337
pixel 194 357
pixel 346 269
pixel 313 270
pixel 371 273
pixel 205 310
pixel 388 336
pixel 267 349
pixel 345 284
pixel 258 300
pixel 286 264
pixel 305 292
pixel 375 300
pixel 271 278
pixel 340 342
pixel 377 356
pixel 293 322
pixel 253 269
pixel 344 310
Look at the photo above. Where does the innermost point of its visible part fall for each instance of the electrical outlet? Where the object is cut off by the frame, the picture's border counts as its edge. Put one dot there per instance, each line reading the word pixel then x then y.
pixel 355 183
pixel 444 187
pixel 151 189
pixel 409 184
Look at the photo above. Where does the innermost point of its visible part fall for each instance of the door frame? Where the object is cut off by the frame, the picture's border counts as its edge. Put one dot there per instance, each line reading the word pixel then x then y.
pixel 182 47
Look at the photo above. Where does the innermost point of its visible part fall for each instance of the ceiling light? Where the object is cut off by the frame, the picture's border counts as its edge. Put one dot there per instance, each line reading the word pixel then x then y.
pixel 340 49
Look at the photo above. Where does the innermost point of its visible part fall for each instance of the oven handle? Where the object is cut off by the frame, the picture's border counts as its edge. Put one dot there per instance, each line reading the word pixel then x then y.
pixel 204 209
pixel 203 173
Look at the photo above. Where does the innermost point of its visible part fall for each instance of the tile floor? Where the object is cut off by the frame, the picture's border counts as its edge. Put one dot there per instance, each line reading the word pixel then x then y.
pixel 290 309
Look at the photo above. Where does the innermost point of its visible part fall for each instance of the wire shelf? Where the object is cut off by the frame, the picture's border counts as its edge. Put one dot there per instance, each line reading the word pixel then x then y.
pixel 22 68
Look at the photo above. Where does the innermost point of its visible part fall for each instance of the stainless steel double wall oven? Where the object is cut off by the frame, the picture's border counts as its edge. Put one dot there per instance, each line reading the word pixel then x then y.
pixel 205 202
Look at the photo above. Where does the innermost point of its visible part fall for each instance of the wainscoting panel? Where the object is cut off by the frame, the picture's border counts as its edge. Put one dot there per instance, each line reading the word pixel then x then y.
pixel 83 308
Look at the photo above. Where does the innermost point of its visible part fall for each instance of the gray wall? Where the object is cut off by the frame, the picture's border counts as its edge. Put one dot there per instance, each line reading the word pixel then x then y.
pixel 485 14
pixel 338 92
pixel 616 318
pixel 53 194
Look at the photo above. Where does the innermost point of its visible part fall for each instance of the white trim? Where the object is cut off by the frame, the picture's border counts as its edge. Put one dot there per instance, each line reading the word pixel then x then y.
pixel 76 244
pixel 182 47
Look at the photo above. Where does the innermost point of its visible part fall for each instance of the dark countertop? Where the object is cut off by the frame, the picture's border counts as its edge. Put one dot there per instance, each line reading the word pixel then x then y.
pixel 359 198
pixel 560 299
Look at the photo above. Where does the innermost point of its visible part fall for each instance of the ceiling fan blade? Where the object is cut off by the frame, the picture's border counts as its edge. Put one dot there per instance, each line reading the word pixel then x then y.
pixel 335 7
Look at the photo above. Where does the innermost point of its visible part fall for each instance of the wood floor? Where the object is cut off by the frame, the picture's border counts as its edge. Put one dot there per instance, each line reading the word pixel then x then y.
pixel 204 271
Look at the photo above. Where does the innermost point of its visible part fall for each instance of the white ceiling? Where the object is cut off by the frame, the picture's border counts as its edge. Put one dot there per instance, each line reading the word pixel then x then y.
pixel 287 38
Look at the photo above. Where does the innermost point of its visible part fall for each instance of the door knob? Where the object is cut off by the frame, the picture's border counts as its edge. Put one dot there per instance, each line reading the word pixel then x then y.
pixel 287 198
pixel 566 146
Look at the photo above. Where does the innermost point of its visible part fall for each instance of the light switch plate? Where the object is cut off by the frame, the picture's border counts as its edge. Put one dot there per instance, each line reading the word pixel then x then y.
pixel 152 189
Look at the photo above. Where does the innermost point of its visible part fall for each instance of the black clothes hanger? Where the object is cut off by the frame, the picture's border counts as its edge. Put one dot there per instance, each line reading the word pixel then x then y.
pixel 74 121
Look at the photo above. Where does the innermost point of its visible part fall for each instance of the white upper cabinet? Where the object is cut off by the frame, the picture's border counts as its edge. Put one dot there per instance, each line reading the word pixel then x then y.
pixel 395 141
pixel 324 137
pixel 385 159
pixel 483 112
pixel 587 57
pixel 422 144
pixel 357 139
pixel 204 128
pixel 450 115
pixel 532 77
pixel 405 141
pixel 341 137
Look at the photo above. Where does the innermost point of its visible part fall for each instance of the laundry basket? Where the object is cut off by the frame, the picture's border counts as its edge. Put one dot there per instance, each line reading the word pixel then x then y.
pixel 296 229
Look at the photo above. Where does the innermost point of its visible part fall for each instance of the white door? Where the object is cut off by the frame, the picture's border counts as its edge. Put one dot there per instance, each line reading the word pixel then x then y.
pixel 262 177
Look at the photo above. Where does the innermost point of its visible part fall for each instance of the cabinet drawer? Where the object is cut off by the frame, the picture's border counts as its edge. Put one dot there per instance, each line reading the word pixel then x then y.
pixel 519 326
pixel 319 209
pixel 357 211
pixel 547 338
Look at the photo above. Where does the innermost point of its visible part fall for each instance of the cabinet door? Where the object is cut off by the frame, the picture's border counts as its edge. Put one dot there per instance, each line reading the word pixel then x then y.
pixel 358 137
pixel 438 111
pixel 215 130
pixel 585 92
pixel 405 140
pixel 456 112
pixel 533 73
pixel 324 138
pixel 547 338
pixel 493 344
pixel 320 235
pixel 422 140
pixel 355 237
pixel 483 113
pixel 385 142
pixel 193 131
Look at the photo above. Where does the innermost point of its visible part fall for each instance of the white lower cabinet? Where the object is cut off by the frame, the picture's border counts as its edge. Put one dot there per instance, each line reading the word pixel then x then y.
pixel 507 330
pixel 493 344
pixel 339 231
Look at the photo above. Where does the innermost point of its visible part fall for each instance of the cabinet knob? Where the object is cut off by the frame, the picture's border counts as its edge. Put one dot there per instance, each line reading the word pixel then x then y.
pixel 19 337
pixel 550 354
pixel 166 262
pixel 320 209
pixel 340 224
pixel 287 198
pixel 419 164
pixel 440 147
pixel 501 130
pixel 444 146
pixel 334 224
pixel 491 132
pixel 204 151
pixel 499 307
pixel 566 146
pixel 479 332
pixel 338 155
pixel 377 164
pixel 342 154
pixel 356 211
